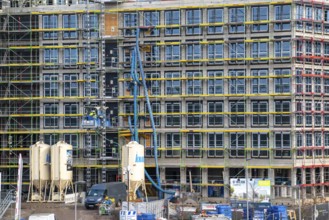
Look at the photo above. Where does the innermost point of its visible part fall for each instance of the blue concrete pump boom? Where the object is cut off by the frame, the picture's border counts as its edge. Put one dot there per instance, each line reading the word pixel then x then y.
pixel 136 73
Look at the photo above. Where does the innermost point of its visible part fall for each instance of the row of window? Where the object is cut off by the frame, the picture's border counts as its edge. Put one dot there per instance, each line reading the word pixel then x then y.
pixel 215 85
pixel 90 24
pixel 53 121
pixel 51 85
pixel 213 16
pixel 235 142
pixel 235 114
pixel 309 105
pixel 214 52
pixel 70 56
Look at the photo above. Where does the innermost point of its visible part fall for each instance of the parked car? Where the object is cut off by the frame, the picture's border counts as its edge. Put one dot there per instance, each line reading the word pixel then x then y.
pixel 97 193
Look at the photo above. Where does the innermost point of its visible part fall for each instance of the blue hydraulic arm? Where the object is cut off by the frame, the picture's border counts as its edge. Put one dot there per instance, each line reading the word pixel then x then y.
pixel 136 62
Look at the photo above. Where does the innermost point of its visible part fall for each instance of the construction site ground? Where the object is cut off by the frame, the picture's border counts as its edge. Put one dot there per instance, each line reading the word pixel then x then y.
pixel 62 211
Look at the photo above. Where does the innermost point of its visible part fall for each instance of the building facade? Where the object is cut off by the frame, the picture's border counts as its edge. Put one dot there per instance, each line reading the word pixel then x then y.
pixel 235 87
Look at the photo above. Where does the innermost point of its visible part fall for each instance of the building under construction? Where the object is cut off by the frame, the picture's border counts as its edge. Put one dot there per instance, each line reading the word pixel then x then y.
pixel 237 88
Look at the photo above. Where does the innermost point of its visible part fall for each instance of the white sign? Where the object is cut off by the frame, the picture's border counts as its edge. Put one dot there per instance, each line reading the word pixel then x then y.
pixel 19 189
pixel 258 189
pixel 70 198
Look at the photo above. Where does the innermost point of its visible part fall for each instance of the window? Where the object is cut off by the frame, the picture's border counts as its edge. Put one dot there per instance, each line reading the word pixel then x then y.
pixel 237 52
pixel 71 86
pixel 215 54
pixel 299 11
pixel 152 19
pixel 215 119
pixel 90 25
pixel 70 22
pixel 71 57
pixel 194 119
pixel 90 145
pixel 259 141
pixel 237 144
pixel 237 15
pixel 237 85
pixel 259 84
pixel 91 88
pixel 172 53
pixel 194 144
pixel 215 141
pixel 299 144
pixel 260 13
pixel 173 116
pixel 282 85
pixel 194 86
pixel 149 145
pixel 154 85
pixel 152 56
pixel 282 145
pixel 174 86
pixel 73 140
pixel 281 107
pixel 173 142
pixel 193 54
pixel 282 14
pixel 237 109
pixel 282 49
pixel 91 54
pixel 193 21
pixel 51 85
pixel 215 15
pixel 215 85
pixel 71 121
pixel 50 22
pixel 156 108
pixel 172 18
pixel 129 24
pixel 259 106
pixel 50 121
pixel 259 50
pixel 51 139
pixel 50 57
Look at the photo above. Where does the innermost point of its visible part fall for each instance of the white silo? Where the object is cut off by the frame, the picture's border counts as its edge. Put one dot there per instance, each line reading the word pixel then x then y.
pixel 39 171
pixel 133 167
pixel 61 170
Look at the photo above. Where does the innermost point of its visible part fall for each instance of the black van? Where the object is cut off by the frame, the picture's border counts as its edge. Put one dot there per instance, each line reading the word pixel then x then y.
pixel 97 193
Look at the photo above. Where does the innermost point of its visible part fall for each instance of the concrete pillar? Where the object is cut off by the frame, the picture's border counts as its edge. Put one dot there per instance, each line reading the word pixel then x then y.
pixel 294 194
pixel 303 190
pixel 226 177
pixel 322 180
pixel 204 190
pixel 183 177
pixel 271 177
pixel 163 175
pixel 313 181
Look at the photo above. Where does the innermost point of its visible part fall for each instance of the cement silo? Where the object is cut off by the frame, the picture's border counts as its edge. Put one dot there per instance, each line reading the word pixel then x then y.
pixel 133 167
pixel 39 171
pixel 61 171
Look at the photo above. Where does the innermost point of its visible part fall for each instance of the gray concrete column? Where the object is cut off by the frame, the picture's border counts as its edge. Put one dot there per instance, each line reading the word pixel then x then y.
pixel 226 177
pixel 271 176
pixel 322 180
pixel 303 190
pixel 294 193
pixel 204 190
pixel 313 189
pixel 162 174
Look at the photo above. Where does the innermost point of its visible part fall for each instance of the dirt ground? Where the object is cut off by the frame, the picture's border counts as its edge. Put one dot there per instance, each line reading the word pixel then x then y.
pixel 62 211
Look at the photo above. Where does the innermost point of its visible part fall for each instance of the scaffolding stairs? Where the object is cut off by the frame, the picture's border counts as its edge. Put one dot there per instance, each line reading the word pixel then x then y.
pixel 6 202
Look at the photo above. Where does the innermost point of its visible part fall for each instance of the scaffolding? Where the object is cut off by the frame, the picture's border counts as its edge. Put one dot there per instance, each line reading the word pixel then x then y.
pixel 53 65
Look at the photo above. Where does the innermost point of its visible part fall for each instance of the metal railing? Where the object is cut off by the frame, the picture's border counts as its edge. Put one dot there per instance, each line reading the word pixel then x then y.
pixel 6 202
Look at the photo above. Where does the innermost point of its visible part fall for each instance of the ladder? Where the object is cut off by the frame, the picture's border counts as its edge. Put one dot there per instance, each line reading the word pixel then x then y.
pixel 6 202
